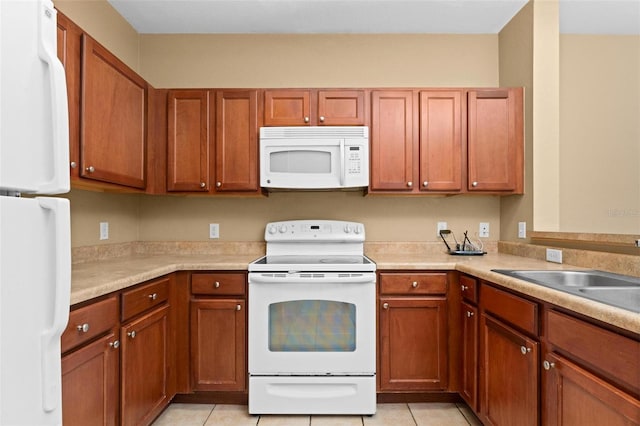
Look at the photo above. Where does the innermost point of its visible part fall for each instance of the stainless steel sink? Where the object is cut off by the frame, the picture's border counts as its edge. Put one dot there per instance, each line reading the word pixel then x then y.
pixel 613 289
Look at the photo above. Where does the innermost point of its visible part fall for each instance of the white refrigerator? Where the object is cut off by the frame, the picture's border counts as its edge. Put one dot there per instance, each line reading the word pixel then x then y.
pixel 35 249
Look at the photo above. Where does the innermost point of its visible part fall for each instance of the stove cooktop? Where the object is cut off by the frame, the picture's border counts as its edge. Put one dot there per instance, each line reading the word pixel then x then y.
pixel 319 262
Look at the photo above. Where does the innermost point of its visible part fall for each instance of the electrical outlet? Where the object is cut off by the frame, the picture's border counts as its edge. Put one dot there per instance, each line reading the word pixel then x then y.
pixel 104 230
pixel 522 229
pixel 441 226
pixel 214 230
pixel 483 230
pixel 637 243
pixel 554 255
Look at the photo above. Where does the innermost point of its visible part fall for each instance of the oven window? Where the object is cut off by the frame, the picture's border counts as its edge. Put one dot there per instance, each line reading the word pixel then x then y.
pixel 307 161
pixel 312 326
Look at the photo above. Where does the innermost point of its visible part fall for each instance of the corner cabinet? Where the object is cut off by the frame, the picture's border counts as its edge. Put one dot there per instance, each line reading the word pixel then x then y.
pixel 495 140
pixel 413 337
pixel 469 341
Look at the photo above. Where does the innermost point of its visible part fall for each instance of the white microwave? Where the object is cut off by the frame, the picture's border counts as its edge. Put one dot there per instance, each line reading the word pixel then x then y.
pixel 314 157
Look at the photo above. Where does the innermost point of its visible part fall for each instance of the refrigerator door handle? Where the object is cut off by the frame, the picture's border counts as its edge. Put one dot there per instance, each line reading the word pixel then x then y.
pixel 51 369
pixel 47 29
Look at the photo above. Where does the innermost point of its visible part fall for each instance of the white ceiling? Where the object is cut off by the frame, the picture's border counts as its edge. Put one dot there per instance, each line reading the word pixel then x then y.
pixel 366 16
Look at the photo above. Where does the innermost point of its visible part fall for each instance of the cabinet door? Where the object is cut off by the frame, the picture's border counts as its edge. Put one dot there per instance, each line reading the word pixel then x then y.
pixel 509 375
pixel 341 107
pixel 237 140
pixel 573 396
pixel 392 141
pixel 469 348
pixel 413 344
pixel 69 41
pixel 90 383
pixel 287 107
pixel 113 127
pixel 188 140
pixel 495 140
pixel 145 358
pixel 218 344
pixel 440 141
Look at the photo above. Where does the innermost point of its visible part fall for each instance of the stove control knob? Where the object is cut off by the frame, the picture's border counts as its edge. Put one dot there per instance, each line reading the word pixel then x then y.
pixel 347 229
pixel 273 229
pixel 357 229
pixel 282 229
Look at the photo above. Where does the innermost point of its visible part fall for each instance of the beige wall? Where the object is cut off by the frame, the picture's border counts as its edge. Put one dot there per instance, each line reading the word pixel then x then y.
pixel 600 134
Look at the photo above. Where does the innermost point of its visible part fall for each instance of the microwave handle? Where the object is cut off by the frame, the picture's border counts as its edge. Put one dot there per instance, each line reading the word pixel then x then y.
pixel 341 162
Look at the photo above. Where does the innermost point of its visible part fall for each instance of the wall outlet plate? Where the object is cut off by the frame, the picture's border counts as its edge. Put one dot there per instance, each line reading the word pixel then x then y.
pixel 483 230
pixel 522 229
pixel 214 230
pixel 104 230
pixel 554 255
pixel 440 227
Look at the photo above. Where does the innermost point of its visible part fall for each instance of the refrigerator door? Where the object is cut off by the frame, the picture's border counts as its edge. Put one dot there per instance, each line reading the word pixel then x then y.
pixel 35 282
pixel 34 122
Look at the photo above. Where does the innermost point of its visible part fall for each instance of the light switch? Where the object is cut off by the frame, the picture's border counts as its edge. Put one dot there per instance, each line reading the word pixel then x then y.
pixel 104 230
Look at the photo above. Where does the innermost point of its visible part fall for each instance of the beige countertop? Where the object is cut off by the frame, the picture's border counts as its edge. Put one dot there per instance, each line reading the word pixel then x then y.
pixel 93 279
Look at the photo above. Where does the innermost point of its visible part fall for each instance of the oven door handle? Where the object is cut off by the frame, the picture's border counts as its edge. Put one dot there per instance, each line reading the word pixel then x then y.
pixel 290 279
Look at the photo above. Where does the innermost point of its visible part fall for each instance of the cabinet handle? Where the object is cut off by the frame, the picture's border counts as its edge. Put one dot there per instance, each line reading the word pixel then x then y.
pixel 524 350
pixel 115 345
pixel 90 169
pixel 414 284
pixel 409 184
pixel 306 119
pixel 464 287
pixel 217 284
pixel 474 184
pixel 218 184
pixel 238 307
pixel 425 183
pixel 74 164
pixel 202 184
pixel 322 118
pixel 385 305
pixel 131 334
pixel 469 314
pixel 83 328
pixel 153 296
pixel 548 365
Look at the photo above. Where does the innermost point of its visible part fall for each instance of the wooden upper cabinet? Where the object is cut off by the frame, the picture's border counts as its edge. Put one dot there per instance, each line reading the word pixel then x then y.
pixel 313 107
pixel 69 43
pixel 113 111
pixel 188 140
pixel 236 140
pixel 495 140
pixel 441 140
pixel 392 144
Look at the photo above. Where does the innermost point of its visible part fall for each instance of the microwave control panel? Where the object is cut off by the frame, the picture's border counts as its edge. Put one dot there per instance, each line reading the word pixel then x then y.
pixel 354 160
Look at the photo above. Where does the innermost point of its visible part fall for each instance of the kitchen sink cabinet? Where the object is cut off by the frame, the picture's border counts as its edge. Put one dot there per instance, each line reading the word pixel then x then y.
pixel 413 337
pixel 509 359
pixel 188 146
pixel 495 140
pixel 218 332
pixel 314 107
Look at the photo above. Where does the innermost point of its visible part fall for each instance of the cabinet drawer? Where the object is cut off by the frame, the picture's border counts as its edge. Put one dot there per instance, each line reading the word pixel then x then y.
pixel 469 288
pixel 401 283
pixel 604 350
pixel 89 321
pixel 222 284
pixel 144 297
pixel 520 312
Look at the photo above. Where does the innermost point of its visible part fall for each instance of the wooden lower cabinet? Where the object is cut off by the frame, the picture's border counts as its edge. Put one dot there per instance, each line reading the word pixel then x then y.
pixel 218 345
pixel 469 354
pixel 91 382
pixel 145 362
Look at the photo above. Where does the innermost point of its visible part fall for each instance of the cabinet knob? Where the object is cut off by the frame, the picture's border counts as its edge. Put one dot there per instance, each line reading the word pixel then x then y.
pixel 90 169
pixel 322 118
pixel 469 314
pixel 306 119
pixel 238 307
pixel 202 184
pixel 524 350
pixel 218 184
pixel 73 164
pixel 153 296
pixel 409 184
pixel 548 365
pixel 474 184
pixel 115 345
pixel 464 287
pixel 385 305
pixel 216 284
pixel 414 284
pixel 83 328
pixel 425 183
pixel 131 334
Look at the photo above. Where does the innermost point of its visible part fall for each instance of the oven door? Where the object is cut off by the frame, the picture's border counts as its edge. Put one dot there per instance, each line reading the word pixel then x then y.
pixel 312 324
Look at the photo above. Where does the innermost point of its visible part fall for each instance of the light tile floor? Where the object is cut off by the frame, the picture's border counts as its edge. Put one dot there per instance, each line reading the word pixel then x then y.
pixel 412 414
